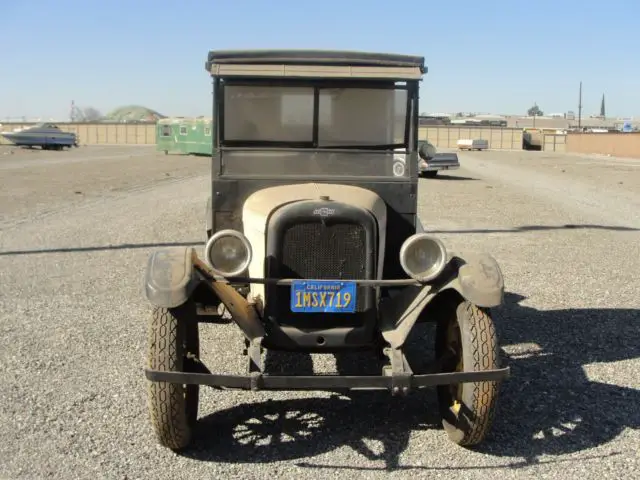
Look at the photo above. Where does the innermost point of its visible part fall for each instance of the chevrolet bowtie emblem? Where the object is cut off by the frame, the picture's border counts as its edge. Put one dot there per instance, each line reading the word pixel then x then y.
pixel 324 211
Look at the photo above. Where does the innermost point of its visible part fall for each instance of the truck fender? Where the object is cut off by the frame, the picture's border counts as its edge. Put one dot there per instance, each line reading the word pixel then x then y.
pixel 477 278
pixel 170 278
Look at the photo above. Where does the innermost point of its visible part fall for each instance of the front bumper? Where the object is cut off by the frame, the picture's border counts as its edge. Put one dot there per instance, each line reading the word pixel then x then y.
pixel 259 381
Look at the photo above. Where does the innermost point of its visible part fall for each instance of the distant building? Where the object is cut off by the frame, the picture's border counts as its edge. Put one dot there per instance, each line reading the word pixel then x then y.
pixel 481 121
pixel 434 120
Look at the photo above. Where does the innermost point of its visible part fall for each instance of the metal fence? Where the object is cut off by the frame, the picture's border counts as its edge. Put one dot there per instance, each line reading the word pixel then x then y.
pixel 448 136
pixel 442 136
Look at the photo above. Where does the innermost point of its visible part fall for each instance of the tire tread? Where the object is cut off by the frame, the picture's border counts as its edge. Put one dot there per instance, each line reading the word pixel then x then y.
pixel 166 400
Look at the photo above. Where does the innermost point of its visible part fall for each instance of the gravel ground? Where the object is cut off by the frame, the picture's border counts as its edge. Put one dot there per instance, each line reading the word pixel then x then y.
pixel 80 175
pixel 565 229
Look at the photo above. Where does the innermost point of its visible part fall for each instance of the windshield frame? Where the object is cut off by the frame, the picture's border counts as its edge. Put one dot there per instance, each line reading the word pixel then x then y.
pixel 317 85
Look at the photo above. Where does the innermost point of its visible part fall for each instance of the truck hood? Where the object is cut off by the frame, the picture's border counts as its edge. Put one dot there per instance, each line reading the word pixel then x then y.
pixel 259 206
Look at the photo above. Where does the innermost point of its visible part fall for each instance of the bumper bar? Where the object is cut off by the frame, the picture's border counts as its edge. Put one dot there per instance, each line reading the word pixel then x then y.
pixel 323 382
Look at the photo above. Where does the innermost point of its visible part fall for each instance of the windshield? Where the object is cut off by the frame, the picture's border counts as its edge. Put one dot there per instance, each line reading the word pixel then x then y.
pixel 346 117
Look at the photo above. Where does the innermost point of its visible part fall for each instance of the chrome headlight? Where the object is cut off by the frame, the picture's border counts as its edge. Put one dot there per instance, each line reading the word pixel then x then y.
pixel 228 253
pixel 423 257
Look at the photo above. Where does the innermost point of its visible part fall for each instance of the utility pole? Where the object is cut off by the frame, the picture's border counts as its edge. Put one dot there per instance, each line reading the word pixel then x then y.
pixel 580 107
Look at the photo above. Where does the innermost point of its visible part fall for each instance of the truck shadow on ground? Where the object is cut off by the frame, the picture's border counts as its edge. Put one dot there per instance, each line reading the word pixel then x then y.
pixel 101 248
pixel 538 228
pixel 548 407
pixel 195 243
pixel 444 176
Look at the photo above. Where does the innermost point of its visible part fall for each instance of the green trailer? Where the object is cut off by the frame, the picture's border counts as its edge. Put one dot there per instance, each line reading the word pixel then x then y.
pixel 186 136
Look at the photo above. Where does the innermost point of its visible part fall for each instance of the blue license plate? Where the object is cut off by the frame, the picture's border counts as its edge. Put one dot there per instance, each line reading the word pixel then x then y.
pixel 324 296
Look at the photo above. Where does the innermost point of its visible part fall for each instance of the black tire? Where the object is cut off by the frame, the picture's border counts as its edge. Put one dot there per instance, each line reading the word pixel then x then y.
pixel 173 341
pixel 467 409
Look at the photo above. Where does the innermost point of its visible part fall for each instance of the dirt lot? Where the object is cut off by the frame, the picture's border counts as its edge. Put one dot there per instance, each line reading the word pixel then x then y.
pixel 37 182
pixel 77 227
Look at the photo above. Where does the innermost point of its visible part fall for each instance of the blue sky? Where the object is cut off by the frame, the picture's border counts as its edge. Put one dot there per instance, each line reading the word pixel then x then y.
pixel 487 56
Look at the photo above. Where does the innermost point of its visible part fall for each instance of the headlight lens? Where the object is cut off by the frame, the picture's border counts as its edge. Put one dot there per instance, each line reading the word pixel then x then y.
pixel 228 252
pixel 423 257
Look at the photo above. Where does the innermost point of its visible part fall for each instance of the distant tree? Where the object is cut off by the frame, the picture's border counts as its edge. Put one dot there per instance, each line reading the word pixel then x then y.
pixel 90 114
pixel 535 111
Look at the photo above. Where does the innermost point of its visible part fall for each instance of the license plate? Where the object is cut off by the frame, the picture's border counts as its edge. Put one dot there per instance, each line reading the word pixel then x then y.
pixel 324 296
